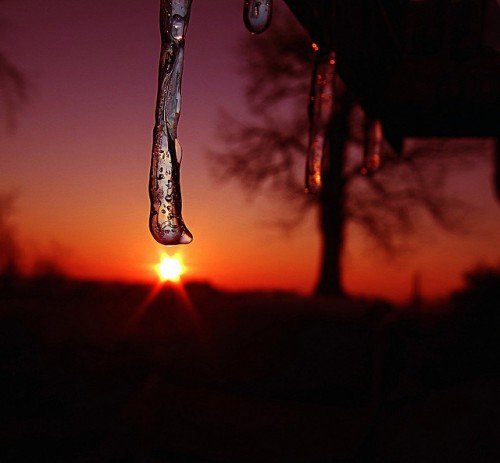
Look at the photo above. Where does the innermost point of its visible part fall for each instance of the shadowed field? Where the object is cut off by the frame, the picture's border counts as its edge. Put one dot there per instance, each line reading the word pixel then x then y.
pixel 91 373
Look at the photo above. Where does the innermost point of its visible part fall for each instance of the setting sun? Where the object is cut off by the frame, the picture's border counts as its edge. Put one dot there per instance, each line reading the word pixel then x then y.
pixel 169 268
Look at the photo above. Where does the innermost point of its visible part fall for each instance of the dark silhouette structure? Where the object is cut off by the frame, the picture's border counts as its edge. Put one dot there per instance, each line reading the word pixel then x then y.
pixel 427 68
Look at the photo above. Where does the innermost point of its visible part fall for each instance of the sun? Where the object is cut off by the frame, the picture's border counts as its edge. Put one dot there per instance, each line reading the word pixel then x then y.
pixel 169 268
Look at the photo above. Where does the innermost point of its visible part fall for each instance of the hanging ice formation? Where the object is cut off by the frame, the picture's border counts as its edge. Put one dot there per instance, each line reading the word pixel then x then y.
pixel 372 156
pixel 257 15
pixel 165 220
pixel 320 112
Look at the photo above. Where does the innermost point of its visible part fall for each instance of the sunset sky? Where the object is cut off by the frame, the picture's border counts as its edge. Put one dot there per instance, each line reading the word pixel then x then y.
pixel 79 160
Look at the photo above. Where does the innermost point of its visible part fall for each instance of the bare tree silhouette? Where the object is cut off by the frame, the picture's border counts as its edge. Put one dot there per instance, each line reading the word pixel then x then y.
pixel 13 92
pixel 9 248
pixel 266 150
pixel 13 88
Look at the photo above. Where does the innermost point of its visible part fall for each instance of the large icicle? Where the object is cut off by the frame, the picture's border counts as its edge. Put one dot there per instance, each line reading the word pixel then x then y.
pixel 257 15
pixel 320 112
pixel 165 220
pixel 372 156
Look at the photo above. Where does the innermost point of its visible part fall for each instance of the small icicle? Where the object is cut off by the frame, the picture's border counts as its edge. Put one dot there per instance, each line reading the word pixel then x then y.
pixel 257 15
pixel 320 112
pixel 372 156
pixel 165 220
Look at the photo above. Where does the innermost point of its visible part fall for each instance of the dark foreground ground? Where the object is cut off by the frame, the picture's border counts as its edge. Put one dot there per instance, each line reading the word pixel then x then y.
pixel 88 375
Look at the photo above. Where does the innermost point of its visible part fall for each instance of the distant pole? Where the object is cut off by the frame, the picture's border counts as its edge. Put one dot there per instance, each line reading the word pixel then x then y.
pixel 497 168
pixel 416 293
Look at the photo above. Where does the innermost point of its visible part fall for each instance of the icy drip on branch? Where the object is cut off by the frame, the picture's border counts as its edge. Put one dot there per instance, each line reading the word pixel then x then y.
pixel 372 156
pixel 257 15
pixel 321 107
pixel 165 220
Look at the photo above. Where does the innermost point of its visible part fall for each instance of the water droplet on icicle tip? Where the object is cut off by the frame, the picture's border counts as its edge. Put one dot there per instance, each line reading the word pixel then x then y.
pixel 372 156
pixel 321 106
pixel 165 220
pixel 257 15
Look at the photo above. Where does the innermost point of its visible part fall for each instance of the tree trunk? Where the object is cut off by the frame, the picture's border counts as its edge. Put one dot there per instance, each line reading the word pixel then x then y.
pixel 332 204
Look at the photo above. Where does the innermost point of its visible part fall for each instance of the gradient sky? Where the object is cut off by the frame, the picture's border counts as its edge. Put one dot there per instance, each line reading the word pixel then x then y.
pixel 80 155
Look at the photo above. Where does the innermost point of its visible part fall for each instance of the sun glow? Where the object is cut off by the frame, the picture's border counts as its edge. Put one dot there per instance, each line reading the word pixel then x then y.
pixel 169 268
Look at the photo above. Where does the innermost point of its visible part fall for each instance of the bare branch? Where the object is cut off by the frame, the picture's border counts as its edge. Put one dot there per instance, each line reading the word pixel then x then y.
pixel 13 88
